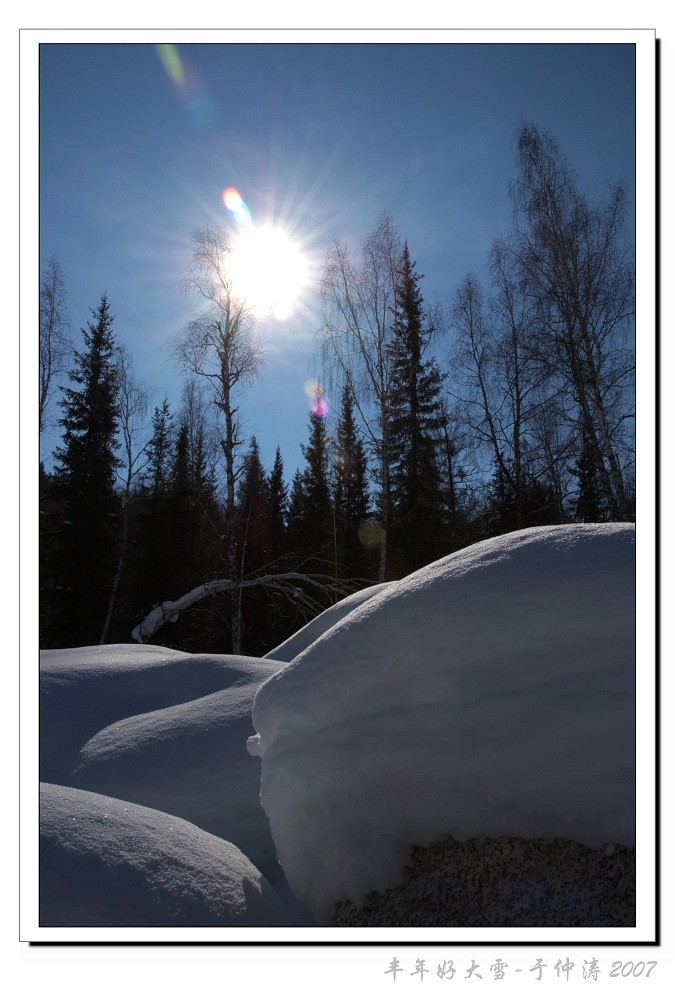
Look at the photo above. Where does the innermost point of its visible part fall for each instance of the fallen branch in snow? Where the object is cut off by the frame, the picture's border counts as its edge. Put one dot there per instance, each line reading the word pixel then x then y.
pixel 287 583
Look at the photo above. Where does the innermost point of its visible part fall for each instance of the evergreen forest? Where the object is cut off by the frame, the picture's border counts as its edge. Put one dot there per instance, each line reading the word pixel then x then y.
pixel 508 405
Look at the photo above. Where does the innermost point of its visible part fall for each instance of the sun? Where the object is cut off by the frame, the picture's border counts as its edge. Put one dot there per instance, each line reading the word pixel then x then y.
pixel 268 270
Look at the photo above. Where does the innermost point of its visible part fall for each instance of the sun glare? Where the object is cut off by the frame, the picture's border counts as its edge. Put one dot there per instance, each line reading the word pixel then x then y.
pixel 268 270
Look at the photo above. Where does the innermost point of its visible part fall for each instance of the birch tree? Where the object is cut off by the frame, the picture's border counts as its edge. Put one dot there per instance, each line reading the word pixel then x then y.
pixel 576 262
pixel 222 346
pixel 358 298
pixel 55 344
pixel 308 594
pixel 513 404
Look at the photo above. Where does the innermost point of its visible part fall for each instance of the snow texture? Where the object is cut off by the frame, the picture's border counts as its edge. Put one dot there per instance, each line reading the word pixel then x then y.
pixel 161 729
pixel 489 695
pixel 303 638
pixel 505 882
pixel 85 689
pixel 108 863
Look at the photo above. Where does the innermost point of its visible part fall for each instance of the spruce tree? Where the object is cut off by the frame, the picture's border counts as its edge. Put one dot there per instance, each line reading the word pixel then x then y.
pixel 416 422
pixel 178 544
pixel 296 506
pixel 251 606
pixel 591 505
pixel 311 504
pixel 278 511
pixel 181 531
pixel 150 554
pixel 87 545
pixel 252 513
pixel 507 510
pixel 317 518
pixel 158 451
pixel 351 496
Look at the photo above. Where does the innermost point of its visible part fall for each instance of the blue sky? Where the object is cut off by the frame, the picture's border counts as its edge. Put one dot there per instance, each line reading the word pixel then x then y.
pixel 319 138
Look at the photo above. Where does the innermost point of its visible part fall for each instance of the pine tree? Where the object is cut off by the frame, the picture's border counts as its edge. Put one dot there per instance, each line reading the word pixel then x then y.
pixel 158 451
pixel 358 299
pixel 278 509
pixel 252 516
pixel 295 516
pixel 182 528
pixel 251 607
pixel 311 505
pixel 176 551
pixel 502 512
pixel 150 554
pixel 351 496
pixel 507 510
pixel 416 422
pixel 87 547
pixel 591 505
pixel 317 517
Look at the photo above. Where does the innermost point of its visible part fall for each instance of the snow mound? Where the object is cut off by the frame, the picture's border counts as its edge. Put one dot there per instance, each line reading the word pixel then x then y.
pixel 310 632
pixel 491 694
pixel 187 759
pixel 106 863
pixel 85 689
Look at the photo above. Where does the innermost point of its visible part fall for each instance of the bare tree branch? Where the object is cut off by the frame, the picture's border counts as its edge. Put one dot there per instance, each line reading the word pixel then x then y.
pixel 359 303
pixel 223 346
pixel 285 583
pixel 55 345
pixel 579 269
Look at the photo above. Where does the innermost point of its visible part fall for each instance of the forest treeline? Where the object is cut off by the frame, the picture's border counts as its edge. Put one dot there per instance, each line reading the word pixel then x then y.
pixel 509 408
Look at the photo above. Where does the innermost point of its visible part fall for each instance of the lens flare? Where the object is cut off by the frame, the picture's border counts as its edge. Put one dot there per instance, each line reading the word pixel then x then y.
pixel 320 407
pixel 370 534
pixel 235 204
pixel 343 465
pixel 171 61
pixel 189 86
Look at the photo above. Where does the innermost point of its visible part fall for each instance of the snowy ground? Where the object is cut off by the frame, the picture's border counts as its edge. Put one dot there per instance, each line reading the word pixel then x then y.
pixel 490 694
pixel 163 729
pixel 109 863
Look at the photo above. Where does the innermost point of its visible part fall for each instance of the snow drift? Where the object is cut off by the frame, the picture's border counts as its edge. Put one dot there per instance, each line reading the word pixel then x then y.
pixel 161 729
pixel 490 694
pixel 310 632
pixel 85 689
pixel 108 863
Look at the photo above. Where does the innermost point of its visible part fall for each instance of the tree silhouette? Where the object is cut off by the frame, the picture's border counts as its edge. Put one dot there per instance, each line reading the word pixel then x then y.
pixel 88 546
